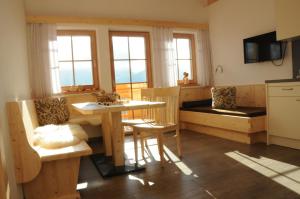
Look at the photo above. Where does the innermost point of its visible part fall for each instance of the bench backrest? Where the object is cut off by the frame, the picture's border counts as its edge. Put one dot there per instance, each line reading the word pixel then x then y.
pixel 247 95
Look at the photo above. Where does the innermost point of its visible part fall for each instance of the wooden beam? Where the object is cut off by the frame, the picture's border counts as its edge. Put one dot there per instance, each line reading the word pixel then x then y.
pixel 112 21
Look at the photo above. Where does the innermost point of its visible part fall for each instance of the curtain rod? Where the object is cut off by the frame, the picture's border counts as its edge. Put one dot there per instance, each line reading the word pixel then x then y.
pixel 112 21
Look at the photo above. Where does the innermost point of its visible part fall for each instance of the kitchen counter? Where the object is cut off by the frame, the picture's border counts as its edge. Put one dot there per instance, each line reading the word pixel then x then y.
pixel 282 80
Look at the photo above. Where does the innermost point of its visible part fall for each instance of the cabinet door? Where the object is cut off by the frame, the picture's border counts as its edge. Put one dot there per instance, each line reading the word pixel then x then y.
pixel 284 117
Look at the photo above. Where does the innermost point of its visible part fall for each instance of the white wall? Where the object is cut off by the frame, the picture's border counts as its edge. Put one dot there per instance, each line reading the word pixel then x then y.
pixel 176 10
pixel 231 21
pixel 13 74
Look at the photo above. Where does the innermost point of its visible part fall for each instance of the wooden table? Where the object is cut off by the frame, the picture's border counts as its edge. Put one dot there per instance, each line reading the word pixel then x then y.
pixel 112 123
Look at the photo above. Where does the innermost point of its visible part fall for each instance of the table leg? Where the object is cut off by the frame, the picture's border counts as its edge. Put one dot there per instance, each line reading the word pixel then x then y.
pixel 106 131
pixel 117 139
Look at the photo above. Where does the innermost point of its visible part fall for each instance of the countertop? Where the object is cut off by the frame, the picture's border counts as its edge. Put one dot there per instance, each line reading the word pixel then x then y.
pixel 282 80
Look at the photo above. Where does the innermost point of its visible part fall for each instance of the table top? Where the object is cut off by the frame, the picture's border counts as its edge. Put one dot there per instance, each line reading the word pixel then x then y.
pixel 88 108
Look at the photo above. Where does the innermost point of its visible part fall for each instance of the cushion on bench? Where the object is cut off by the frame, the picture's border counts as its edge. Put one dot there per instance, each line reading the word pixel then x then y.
pixel 191 104
pixel 58 136
pixel 239 111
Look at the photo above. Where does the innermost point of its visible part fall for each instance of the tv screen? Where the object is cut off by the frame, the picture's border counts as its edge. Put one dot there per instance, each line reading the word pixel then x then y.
pixel 262 48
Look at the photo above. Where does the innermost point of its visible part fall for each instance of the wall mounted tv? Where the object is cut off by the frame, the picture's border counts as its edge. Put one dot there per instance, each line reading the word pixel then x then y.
pixel 261 48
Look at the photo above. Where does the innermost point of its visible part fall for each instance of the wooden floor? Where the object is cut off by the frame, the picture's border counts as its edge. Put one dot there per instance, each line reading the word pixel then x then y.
pixel 211 168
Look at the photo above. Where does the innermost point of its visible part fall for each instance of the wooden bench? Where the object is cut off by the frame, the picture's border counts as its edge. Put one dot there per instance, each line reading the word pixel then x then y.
pixel 237 128
pixel 43 173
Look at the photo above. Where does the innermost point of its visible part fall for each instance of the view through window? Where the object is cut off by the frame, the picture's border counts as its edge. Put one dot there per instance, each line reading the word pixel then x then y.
pixel 130 65
pixel 184 47
pixel 77 60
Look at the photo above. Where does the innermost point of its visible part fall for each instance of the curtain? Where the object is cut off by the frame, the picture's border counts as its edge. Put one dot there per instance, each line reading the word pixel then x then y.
pixel 43 64
pixel 164 71
pixel 204 66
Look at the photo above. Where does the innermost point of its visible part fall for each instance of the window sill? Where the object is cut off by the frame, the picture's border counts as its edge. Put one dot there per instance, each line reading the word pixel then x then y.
pixel 190 83
pixel 79 89
pixel 64 93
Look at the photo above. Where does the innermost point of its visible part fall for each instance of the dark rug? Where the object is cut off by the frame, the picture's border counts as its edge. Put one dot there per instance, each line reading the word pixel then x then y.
pixel 106 168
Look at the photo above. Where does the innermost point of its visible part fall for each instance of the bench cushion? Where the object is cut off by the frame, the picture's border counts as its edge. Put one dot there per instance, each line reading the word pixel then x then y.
pixel 239 111
pixel 58 136
pixel 191 104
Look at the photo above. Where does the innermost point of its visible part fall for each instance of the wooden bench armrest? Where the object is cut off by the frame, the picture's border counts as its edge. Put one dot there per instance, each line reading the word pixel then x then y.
pixel 81 149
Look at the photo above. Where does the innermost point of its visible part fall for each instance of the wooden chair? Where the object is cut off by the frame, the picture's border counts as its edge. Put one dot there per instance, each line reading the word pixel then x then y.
pixel 43 173
pixel 166 120
pixel 146 95
pixel 147 115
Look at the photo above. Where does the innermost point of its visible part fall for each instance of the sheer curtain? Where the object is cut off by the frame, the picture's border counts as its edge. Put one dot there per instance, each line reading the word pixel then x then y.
pixel 43 64
pixel 164 71
pixel 204 66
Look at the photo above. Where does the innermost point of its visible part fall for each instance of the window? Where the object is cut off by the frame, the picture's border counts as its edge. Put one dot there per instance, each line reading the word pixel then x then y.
pixel 185 61
pixel 131 66
pixel 77 60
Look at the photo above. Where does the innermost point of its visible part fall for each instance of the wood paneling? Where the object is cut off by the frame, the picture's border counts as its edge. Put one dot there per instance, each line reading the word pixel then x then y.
pixel 113 21
pixel 251 95
pixel 194 93
pixel 247 95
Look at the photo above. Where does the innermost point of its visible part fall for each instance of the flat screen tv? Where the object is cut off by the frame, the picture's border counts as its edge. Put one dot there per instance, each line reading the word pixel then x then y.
pixel 261 48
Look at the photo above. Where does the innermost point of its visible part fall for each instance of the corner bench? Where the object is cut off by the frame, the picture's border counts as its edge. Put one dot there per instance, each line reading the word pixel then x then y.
pixel 44 173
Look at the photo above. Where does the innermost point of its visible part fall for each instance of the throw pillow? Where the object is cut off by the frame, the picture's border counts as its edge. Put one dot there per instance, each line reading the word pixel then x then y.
pixel 52 111
pixel 224 98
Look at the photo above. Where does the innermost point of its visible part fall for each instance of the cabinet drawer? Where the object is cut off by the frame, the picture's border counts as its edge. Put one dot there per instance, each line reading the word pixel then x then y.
pixel 288 91
pixel 283 117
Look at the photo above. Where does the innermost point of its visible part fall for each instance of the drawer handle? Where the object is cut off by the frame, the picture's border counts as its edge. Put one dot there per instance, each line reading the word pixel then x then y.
pixel 287 89
pixel 298 100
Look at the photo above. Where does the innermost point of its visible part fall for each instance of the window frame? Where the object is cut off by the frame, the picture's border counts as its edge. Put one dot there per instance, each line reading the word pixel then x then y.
pixel 191 37
pixel 148 60
pixel 83 88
